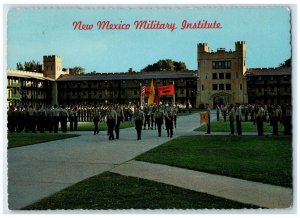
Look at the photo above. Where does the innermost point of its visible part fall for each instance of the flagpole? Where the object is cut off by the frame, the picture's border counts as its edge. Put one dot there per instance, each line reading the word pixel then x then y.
pixel 174 93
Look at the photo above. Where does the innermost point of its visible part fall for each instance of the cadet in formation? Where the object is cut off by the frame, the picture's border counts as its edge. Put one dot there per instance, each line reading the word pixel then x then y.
pixel 138 117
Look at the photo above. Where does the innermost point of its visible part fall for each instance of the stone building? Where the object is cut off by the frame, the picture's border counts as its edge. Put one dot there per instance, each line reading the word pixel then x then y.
pixel 269 85
pixel 221 75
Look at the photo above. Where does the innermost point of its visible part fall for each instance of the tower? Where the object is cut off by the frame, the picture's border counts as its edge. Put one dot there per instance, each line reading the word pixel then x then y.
pixel 52 66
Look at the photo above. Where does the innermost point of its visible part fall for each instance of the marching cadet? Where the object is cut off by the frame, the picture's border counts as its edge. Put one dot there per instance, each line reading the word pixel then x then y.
pixel 111 120
pixel 31 118
pixel 138 116
pixel 231 119
pixel 55 117
pixel 159 119
pixel 169 121
pixel 218 112
pixel 63 116
pixel 259 120
pixel 49 119
pixel 11 119
pixel 75 117
pixel 152 111
pixel 175 110
pixel 208 118
pixel 120 118
pixel 147 116
pixel 36 117
pixel 96 120
pixel 41 119
pixel 71 118
pixel 238 117
pixel 25 118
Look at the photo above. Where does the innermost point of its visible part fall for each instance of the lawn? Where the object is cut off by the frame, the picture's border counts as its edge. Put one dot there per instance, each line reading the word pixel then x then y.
pixel 221 126
pixel 113 191
pixel 23 139
pixel 266 159
pixel 89 126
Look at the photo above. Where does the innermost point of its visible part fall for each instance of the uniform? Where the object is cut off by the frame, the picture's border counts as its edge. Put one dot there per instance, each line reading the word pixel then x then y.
pixel 41 119
pixel 231 119
pixel 275 115
pixel 147 117
pixel 120 118
pixel 111 119
pixel 239 120
pixel 55 117
pixel 159 119
pixel 169 122
pixel 138 117
pixel 259 121
pixel 96 120
pixel 63 116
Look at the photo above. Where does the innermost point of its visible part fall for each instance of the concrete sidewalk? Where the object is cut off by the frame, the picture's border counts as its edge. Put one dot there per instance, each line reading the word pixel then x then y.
pixel 39 170
pixel 262 195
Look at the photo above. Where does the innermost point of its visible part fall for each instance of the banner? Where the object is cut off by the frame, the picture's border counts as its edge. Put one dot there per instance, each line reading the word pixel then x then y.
pixel 161 90
pixel 166 90
pixel 203 117
pixel 151 94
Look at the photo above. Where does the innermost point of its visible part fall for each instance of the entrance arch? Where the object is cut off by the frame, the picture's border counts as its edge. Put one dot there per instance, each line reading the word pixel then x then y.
pixel 221 98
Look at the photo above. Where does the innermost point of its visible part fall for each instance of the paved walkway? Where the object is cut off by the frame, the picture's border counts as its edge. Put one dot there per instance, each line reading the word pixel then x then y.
pixel 40 170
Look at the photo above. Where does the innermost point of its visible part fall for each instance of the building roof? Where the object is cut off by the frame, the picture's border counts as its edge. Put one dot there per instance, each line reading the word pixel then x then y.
pixel 268 71
pixel 127 76
pixel 28 76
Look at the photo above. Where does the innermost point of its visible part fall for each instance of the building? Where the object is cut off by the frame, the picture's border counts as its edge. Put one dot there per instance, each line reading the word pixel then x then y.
pixel 221 75
pixel 269 85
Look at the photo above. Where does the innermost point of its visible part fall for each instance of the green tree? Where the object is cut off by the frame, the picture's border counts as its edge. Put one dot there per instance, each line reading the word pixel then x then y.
pixel 286 63
pixel 167 65
pixel 33 65
pixel 77 70
pixel 20 66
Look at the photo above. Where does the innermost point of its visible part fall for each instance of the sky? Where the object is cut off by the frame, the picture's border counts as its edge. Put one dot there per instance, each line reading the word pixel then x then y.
pixel 35 32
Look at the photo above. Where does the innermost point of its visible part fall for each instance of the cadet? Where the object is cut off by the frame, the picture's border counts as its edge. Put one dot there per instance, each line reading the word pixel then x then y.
pixel 231 119
pixel 138 117
pixel 63 116
pixel 169 121
pixel 238 117
pixel 55 116
pixel 175 110
pixel 96 121
pixel 71 118
pixel 18 120
pixel 159 119
pixel 218 112
pixel 111 119
pixel 41 119
pixel 49 119
pixel 147 116
pixel 75 117
pixel 208 118
pixel 274 120
pixel 120 118
pixel 259 120
pixel 11 119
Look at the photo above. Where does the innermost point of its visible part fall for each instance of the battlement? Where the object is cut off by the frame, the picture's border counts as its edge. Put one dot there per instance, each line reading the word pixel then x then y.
pixel 51 57
pixel 239 46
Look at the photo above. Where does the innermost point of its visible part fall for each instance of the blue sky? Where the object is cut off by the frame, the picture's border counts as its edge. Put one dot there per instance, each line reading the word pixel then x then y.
pixel 33 33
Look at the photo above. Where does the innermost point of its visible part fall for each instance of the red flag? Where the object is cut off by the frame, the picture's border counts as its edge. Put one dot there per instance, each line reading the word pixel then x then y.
pixel 166 90
pixel 156 98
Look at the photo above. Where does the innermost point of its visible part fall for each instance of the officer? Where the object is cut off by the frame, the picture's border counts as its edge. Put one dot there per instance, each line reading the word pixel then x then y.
pixel 111 119
pixel 120 118
pixel 231 119
pixel 11 119
pixel 147 116
pixel 238 117
pixel 138 116
pixel 41 119
pixel 259 120
pixel 159 119
pixel 63 116
pixel 96 120
pixel 208 118
pixel 169 121
pixel 75 117
pixel 55 116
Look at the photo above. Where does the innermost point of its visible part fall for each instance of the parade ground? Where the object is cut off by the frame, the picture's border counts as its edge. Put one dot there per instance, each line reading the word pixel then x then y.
pixel 41 170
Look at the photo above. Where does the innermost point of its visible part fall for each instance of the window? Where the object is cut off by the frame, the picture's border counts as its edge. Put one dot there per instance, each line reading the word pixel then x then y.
pixel 228 75
pixel 241 86
pixel 228 86
pixel 182 91
pixel 214 86
pixel 215 76
pixel 221 76
pixel 221 65
pixel 221 86
pixel 237 75
pixel 202 88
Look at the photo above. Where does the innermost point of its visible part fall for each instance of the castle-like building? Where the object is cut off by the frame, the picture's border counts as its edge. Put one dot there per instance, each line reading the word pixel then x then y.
pixel 221 78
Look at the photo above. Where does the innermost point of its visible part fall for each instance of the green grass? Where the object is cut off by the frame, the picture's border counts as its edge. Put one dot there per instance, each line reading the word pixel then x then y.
pixel 23 139
pixel 113 191
pixel 221 126
pixel 266 159
pixel 89 126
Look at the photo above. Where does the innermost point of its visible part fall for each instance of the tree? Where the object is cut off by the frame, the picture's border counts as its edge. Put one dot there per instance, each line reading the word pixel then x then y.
pixel 33 66
pixel 167 65
pixel 286 63
pixel 77 70
pixel 20 66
